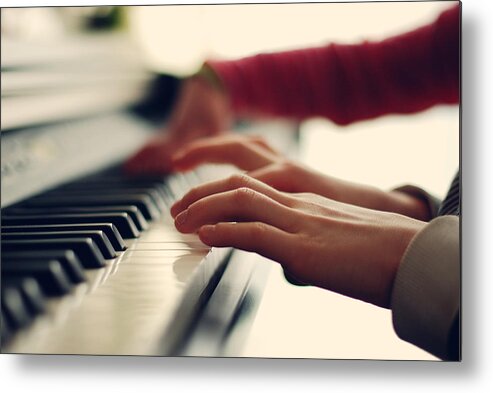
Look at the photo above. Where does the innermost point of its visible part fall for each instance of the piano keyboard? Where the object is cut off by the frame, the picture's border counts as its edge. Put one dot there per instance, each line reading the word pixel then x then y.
pixel 91 261
pixel 96 267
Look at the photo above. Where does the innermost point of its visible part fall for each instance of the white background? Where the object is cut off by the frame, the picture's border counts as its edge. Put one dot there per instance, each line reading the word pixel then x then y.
pixel 155 374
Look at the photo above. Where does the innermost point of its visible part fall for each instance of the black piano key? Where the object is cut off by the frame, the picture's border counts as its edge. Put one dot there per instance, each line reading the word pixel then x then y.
pixel 97 236
pixel 30 290
pixel 109 230
pixel 67 258
pixel 142 201
pixel 108 188
pixel 49 274
pixel 133 212
pixel 160 188
pixel 105 189
pixel 86 250
pixel 13 308
pixel 156 188
pixel 5 327
pixel 119 181
pixel 121 221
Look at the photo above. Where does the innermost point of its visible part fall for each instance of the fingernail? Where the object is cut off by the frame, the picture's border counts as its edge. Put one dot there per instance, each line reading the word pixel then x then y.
pixel 182 217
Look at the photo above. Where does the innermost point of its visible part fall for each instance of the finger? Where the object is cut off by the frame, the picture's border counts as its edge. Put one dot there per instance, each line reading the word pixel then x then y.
pixel 259 141
pixel 242 154
pixel 153 158
pixel 140 161
pixel 223 185
pixel 275 176
pixel 240 205
pixel 150 160
pixel 257 237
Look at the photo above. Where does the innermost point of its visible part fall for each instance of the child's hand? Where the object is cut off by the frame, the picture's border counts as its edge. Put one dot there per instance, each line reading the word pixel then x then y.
pixel 201 110
pixel 347 249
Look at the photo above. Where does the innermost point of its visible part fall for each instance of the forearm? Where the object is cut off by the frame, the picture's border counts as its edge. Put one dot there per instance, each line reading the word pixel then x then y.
pixel 346 83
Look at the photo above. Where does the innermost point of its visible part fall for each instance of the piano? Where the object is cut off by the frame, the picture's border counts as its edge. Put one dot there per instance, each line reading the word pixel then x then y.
pixel 91 262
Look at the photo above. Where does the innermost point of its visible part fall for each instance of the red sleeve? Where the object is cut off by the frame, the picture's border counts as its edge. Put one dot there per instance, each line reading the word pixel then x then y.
pixel 345 83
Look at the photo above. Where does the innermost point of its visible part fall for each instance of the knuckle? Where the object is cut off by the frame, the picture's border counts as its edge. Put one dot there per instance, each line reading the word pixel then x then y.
pixel 258 230
pixel 239 180
pixel 257 139
pixel 244 195
pixel 289 200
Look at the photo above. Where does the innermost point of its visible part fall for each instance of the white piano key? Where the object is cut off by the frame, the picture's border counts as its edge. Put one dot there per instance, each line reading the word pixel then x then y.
pixel 126 314
pixel 161 236
pixel 170 260
pixel 155 246
pixel 163 253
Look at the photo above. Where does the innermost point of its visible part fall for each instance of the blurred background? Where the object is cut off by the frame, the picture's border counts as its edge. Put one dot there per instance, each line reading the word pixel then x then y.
pixel 177 39
pixel 385 152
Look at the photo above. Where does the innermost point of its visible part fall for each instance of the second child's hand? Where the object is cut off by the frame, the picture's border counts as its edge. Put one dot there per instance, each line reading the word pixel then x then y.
pixel 201 110
pixel 254 155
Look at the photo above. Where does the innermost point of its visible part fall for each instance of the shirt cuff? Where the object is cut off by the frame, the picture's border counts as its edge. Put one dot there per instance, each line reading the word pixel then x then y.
pixel 426 294
pixel 432 202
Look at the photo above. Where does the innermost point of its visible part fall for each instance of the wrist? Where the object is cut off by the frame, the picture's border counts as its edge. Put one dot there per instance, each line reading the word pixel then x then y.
pixel 404 230
pixel 207 75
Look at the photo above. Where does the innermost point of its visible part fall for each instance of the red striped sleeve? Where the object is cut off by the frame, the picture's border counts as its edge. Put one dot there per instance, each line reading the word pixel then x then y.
pixel 346 83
